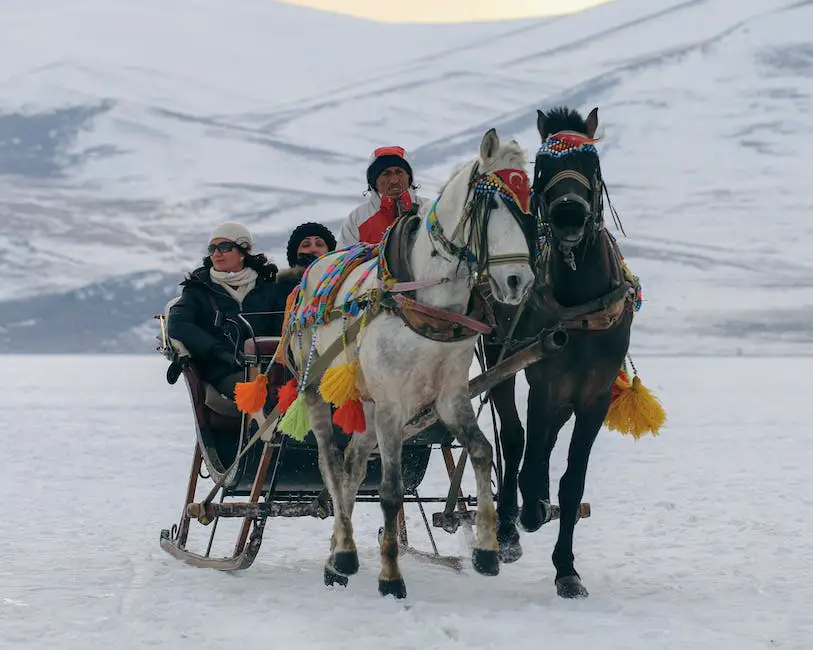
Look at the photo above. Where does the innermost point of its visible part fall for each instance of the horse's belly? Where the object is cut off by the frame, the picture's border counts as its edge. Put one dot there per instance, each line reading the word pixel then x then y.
pixel 403 368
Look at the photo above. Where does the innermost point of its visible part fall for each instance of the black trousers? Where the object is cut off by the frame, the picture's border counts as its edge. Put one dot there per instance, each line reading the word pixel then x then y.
pixel 226 385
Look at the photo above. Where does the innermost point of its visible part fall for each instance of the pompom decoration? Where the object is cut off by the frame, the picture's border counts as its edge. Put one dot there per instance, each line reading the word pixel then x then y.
pixel 250 396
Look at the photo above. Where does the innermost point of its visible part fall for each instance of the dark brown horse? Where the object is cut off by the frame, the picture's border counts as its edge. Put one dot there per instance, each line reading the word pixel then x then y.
pixel 581 286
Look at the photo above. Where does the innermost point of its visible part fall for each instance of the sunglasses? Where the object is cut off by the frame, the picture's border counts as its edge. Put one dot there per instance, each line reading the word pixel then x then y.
pixel 223 247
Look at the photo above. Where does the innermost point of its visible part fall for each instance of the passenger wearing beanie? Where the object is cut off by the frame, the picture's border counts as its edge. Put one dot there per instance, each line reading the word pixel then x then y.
pixel 391 187
pixel 307 242
pixel 232 280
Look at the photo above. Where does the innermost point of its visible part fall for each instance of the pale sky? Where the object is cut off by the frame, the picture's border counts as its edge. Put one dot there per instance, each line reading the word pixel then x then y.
pixel 444 11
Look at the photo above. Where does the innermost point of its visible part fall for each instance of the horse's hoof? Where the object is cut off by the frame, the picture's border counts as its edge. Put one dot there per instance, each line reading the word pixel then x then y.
pixel 333 578
pixel 346 562
pixel 510 552
pixel 534 515
pixel 485 562
pixel 571 587
pixel 510 548
pixel 395 588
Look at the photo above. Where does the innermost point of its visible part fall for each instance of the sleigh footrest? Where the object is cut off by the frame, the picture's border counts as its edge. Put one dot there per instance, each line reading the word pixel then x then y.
pixel 450 521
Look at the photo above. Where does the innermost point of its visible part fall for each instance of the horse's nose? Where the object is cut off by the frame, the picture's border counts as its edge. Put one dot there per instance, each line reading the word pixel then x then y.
pixel 514 282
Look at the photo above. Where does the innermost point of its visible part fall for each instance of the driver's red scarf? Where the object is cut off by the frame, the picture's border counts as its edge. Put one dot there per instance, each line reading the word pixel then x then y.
pixel 372 231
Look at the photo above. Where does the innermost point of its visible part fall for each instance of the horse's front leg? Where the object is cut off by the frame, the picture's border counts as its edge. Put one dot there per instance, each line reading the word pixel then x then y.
pixel 391 495
pixel 457 414
pixel 545 419
pixel 343 554
pixel 571 490
pixel 512 441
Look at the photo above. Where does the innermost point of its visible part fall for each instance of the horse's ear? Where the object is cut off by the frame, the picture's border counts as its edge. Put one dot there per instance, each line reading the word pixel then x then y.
pixel 592 122
pixel 489 145
pixel 540 124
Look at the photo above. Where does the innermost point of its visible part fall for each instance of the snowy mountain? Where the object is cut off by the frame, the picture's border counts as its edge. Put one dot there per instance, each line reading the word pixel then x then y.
pixel 128 130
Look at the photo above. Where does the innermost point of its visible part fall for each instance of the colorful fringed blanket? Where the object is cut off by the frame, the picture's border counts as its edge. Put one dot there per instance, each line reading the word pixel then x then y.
pixel 308 307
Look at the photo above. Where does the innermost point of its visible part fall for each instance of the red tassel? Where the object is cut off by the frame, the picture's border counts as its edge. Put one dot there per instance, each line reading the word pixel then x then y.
pixel 350 417
pixel 287 395
pixel 621 383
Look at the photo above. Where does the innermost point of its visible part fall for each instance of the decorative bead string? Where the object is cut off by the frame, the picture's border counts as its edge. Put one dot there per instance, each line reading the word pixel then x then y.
pixel 311 353
pixel 492 184
pixel 563 143
pixel 351 304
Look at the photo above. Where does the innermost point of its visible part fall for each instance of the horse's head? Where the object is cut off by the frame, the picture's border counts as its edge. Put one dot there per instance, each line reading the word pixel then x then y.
pixel 489 202
pixel 567 178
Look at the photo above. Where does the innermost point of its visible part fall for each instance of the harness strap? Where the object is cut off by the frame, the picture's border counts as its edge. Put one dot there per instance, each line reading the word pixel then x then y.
pixel 408 304
pixel 565 174
pixel 403 287
pixel 601 313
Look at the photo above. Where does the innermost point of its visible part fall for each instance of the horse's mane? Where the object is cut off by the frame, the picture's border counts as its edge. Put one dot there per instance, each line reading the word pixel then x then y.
pixel 510 155
pixel 562 118
pixel 457 169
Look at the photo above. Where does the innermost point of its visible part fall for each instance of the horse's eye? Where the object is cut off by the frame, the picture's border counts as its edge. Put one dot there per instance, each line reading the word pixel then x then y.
pixel 492 203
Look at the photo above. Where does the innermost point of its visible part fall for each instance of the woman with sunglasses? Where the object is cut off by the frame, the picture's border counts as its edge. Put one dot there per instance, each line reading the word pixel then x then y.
pixel 232 281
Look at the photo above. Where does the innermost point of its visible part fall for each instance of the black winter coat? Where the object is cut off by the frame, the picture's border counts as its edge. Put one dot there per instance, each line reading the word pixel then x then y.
pixel 192 320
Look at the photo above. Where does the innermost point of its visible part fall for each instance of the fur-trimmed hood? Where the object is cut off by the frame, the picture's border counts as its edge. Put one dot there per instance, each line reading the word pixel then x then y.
pixel 289 279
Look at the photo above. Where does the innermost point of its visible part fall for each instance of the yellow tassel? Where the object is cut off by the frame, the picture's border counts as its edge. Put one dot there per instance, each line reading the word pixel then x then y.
pixel 296 423
pixel 338 384
pixel 250 396
pixel 634 410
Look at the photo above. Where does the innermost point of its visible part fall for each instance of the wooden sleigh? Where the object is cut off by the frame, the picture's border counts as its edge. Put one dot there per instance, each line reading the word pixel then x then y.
pixel 280 477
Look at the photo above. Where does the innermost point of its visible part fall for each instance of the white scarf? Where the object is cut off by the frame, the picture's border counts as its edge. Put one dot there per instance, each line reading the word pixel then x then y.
pixel 237 284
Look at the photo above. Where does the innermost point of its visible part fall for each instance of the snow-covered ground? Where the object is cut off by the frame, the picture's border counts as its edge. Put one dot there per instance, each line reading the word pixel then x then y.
pixel 700 538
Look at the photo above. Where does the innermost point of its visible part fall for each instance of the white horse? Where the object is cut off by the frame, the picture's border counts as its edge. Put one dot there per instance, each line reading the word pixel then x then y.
pixel 478 230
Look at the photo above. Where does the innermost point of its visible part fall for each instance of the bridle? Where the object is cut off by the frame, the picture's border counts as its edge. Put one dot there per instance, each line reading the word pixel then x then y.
pixel 512 186
pixel 555 146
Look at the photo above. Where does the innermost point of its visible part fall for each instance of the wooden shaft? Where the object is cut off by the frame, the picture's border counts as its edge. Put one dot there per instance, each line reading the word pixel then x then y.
pixel 548 345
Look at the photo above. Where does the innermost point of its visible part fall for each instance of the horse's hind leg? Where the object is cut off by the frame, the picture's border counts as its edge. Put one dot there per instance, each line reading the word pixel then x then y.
pixel 356 457
pixel 456 413
pixel 391 494
pixel 512 441
pixel 343 555
pixel 571 490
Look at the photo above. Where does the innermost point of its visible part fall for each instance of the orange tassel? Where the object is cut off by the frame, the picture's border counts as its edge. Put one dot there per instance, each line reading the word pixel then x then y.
pixel 350 417
pixel 250 396
pixel 287 395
